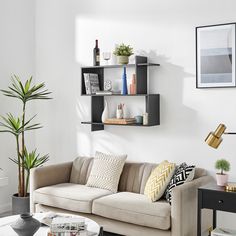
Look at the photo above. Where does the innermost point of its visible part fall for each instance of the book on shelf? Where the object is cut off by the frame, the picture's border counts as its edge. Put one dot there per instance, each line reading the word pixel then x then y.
pixel 103 92
pixel 124 121
pixel 108 92
pixel 91 82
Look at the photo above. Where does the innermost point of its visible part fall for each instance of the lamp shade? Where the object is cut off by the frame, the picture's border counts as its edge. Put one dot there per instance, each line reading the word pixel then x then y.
pixel 214 138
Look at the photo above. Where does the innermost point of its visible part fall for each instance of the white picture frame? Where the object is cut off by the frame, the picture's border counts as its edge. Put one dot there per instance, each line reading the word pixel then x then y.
pixel 215 56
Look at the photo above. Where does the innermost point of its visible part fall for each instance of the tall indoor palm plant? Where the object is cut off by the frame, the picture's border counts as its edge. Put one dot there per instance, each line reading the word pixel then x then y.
pixel 18 126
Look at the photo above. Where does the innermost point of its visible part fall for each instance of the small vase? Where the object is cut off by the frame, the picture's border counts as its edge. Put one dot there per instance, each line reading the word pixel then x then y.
pixel 123 60
pixel 26 225
pixel 105 112
pixel 222 180
pixel 119 114
pixel 124 83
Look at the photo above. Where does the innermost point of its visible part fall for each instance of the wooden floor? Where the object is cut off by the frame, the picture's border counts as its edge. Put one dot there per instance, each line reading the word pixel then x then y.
pixel 9 213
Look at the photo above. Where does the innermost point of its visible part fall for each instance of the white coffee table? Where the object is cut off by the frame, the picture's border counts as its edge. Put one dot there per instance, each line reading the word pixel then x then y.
pixel 6 230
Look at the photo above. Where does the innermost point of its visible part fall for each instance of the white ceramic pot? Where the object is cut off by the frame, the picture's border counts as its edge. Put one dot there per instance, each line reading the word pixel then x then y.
pixel 222 180
pixel 105 113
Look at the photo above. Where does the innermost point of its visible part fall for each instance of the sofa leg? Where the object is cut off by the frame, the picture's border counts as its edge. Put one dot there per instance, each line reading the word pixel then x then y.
pixel 101 231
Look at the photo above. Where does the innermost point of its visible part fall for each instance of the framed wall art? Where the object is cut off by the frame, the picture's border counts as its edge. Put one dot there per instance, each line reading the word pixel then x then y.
pixel 215 56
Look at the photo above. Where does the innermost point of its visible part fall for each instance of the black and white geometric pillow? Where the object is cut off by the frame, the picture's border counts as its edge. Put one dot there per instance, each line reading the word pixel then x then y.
pixel 183 173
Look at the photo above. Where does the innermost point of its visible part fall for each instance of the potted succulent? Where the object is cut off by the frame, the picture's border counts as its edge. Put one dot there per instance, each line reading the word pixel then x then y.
pixel 18 126
pixel 223 166
pixel 123 52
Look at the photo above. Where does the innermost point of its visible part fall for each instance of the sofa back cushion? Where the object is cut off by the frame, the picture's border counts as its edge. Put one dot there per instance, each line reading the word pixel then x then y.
pixel 133 177
pixel 81 169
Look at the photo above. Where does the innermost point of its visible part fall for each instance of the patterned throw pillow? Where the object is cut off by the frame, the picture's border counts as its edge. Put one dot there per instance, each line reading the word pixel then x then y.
pixel 158 180
pixel 183 173
pixel 106 171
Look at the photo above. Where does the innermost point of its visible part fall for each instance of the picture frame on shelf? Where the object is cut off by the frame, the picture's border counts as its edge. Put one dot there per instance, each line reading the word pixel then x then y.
pixel 215 56
pixel 91 82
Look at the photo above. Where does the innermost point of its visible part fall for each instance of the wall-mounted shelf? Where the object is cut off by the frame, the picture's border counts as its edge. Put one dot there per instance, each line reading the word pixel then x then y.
pixel 152 101
pixel 121 66
pixel 114 95
pixel 98 123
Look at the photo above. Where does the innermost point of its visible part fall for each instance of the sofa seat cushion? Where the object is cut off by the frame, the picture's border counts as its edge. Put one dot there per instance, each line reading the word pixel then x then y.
pixel 74 197
pixel 134 208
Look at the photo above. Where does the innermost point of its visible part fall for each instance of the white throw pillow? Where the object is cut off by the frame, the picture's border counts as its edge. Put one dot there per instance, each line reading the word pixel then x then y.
pixel 106 171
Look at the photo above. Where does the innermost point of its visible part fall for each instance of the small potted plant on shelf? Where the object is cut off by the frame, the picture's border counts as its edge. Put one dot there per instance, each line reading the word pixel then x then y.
pixel 123 52
pixel 223 166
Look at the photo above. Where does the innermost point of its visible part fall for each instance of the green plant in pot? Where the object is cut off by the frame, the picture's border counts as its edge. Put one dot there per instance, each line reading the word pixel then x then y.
pixel 223 166
pixel 18 126
pixel 123 52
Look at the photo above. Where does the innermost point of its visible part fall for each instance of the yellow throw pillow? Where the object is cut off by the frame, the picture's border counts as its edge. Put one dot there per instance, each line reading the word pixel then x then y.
pixel 158 180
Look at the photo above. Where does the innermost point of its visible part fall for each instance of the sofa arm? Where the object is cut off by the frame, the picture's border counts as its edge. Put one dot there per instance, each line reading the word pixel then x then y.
pixel 48 175
pixel 184 207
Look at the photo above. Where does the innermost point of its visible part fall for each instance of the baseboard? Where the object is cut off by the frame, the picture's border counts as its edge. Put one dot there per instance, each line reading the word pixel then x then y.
pixel 5 207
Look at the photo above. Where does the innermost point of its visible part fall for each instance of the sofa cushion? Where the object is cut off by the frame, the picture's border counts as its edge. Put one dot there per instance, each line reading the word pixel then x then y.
pixel 134 208
pixel 183 173
pixel 69 196
pixel 159 180
pixel 106 171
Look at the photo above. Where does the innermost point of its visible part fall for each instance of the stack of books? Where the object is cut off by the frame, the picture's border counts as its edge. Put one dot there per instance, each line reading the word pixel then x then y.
pixel 125 121
pixel 63 225
pixel 108 92
pixel 104 93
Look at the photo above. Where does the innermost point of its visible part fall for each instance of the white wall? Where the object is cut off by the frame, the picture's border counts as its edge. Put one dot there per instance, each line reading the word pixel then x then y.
pixel 163 30
pixel 16 57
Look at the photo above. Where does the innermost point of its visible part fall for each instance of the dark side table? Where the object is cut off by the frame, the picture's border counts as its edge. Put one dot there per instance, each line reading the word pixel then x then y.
pixel 215 198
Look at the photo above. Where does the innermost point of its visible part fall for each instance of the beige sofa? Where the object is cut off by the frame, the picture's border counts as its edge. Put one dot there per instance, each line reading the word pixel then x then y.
pixel 59 188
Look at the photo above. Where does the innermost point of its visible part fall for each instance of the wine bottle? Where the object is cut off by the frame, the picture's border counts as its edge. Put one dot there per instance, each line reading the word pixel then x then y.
pixel 96 54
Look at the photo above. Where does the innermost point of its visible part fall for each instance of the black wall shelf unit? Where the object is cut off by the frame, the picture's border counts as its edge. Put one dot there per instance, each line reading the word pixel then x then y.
pixel 152 101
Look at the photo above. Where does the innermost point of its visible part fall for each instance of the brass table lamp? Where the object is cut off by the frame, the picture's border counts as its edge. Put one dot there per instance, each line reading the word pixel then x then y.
pixel 214 139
